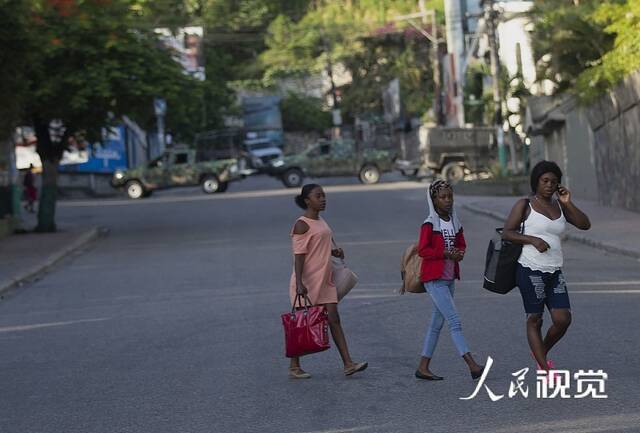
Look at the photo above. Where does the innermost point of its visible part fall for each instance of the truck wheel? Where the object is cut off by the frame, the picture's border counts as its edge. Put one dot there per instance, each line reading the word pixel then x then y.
pixel 135 190
pixel 223 186
pixel 292 178
pixel 452 172
pixel 369 174
pixel 210 184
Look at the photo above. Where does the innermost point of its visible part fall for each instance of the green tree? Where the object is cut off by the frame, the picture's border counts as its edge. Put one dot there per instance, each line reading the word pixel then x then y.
pixel 622 22
pixel 95 61
pixel 304 113
pixel 14 58
pixel 567 40
pixel 360 36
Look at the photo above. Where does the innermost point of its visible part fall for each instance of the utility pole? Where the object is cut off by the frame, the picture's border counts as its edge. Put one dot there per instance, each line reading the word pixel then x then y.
pixel 427 15
pixel 491 18
pixel 435 56
pixel 337 117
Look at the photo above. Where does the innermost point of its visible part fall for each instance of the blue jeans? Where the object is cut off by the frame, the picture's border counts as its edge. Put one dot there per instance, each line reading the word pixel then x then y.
pixel 441 292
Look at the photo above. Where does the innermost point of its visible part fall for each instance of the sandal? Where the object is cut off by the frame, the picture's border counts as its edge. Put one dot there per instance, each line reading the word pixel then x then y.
pixel 358 366
pixel 298 373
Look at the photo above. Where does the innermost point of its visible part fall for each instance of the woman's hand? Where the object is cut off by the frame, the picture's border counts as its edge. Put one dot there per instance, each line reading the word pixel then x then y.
pixel 454 254
pixel 301 290
pixel 540 245
pixel 564 195
pixel 338 253
pixel 458 255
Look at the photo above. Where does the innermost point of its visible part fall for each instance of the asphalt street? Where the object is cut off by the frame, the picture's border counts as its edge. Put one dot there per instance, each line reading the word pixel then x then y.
pixel 172 324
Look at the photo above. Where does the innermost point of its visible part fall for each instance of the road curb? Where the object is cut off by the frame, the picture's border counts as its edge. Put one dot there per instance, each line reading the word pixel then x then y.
pixel 85 238
pixel 613 249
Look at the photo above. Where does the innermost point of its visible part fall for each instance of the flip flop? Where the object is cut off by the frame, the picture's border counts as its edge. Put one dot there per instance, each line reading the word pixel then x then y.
pixel 361 366
pixel 298 373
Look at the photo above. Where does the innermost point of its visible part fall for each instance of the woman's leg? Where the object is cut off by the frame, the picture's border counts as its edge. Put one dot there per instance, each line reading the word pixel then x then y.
pixel 561 320
pixel 294 362
pixel 442 295
pixel 534 337
pixel 557 300
pixel 431 338
pixel 338 334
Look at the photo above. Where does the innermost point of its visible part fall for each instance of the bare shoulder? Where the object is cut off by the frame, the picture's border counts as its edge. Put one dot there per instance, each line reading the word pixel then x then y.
pixel 300 228
pixel 520 205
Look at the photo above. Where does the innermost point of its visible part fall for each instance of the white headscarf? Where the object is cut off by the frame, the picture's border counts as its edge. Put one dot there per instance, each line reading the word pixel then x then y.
pixel 432 217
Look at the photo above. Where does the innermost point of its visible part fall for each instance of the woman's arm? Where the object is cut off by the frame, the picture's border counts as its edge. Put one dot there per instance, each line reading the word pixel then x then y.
pixel 299 267
pixel 511 229
pixel 426 249
pixel 300 228
pixel 571 212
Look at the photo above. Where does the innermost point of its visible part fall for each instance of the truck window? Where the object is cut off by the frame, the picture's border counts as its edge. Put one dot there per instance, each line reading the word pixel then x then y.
pixel 159 161
pixel 181 158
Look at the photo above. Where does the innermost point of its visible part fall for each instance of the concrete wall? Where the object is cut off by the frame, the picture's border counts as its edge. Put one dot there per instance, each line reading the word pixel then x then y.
pixel 615 121
pixel 579 163
pixel 597 146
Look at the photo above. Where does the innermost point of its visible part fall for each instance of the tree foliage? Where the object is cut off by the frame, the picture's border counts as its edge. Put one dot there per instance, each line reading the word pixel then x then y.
pixel 304 113
pixel 15 58
pixel 361 36
pixel 586 46
pixel 622 21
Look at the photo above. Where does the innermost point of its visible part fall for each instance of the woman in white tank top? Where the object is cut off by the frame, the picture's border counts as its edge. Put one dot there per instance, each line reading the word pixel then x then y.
pixel 539 274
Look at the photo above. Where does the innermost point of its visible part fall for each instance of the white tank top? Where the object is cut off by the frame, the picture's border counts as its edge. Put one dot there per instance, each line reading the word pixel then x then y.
pixel 549 230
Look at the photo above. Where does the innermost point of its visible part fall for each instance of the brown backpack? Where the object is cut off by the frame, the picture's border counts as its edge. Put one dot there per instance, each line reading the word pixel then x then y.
pixel 410 271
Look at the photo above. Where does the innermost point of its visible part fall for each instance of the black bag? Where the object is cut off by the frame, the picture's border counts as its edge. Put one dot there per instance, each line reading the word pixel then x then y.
pixel 502 261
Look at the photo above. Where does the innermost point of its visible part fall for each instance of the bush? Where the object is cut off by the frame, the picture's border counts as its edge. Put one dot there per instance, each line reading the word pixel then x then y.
pixel 304 113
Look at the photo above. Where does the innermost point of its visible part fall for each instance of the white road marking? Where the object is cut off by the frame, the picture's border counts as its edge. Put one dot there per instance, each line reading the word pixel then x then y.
pixel 348 430
pixel 47 325
pixel 247 194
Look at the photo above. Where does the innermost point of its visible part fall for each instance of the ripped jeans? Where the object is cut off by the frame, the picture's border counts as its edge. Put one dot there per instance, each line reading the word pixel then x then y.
pixel 441 292
pixel 539 288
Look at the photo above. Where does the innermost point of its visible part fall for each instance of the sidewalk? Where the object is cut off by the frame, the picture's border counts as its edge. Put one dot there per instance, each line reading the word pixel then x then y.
pixel 24 257
pixel 613 230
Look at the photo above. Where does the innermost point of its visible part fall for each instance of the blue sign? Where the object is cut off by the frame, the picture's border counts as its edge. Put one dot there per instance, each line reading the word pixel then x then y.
pixel 105 157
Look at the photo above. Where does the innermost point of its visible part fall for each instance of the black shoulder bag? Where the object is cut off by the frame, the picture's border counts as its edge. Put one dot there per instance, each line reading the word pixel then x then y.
pixel 502 261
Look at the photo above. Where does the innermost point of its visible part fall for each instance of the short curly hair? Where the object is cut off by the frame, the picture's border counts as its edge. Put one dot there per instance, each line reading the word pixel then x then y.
pixel 541 168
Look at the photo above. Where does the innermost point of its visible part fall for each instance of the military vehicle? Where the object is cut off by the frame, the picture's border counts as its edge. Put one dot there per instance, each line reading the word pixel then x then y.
pixel 451 153
pixel 174 168
pixel 332 158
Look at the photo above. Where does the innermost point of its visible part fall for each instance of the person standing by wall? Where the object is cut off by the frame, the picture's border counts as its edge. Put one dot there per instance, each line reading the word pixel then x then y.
pixel 30 191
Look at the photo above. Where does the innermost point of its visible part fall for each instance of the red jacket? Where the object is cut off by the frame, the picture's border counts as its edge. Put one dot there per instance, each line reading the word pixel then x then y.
pixel 431 249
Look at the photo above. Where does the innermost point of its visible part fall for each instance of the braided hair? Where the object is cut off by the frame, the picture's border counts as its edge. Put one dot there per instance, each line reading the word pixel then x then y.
pixel 438 185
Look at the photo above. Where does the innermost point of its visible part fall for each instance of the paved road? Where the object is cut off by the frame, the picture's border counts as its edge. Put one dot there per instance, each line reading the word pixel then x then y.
pixel 171 324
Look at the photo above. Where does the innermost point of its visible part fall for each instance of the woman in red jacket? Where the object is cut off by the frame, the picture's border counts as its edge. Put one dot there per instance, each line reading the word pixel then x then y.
pixel 442 247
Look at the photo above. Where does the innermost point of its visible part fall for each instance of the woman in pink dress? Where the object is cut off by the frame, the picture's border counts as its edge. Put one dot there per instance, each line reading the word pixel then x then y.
pixel 311 242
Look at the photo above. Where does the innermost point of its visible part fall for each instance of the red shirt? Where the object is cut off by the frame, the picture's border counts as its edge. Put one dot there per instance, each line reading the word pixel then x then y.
pixel 431 249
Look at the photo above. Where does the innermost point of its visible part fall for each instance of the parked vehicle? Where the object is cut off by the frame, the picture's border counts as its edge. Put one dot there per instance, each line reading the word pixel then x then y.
pixel 175 168
pixel 451 153
pixel 332 158
pixel 260 152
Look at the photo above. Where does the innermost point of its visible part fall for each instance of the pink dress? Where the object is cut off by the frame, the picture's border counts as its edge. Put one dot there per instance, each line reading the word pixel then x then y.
pixel 316 274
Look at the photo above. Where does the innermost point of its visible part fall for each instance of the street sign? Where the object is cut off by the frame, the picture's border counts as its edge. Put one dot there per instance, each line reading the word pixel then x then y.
pixel 160 106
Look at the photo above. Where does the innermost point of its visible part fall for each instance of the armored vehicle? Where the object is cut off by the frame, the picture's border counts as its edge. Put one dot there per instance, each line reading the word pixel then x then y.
pixel 332 158
pixel 174 168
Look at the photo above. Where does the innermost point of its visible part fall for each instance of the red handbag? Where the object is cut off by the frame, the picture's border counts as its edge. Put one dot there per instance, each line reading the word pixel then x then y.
pixel 306 330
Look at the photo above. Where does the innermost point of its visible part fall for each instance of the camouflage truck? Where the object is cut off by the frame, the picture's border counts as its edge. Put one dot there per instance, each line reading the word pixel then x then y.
pixel 332 158
pixel 451 153
pixel 175 168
